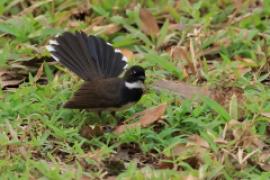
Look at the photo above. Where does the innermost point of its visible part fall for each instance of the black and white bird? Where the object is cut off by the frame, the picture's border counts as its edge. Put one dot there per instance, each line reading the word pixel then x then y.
pixel 100 66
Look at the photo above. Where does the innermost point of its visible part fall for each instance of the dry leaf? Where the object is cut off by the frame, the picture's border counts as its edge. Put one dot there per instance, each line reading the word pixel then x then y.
pixel 265 167
pixel 164 165
pixel 238 4
pixel 190 177
pixel 180 88
pixel 74 23
pixel 179 53
pixel 107 29
pixel 126 52
pixel 149 116
pixel 148 22
pixel 89 132
pixel 85 178
pixel 223 96
pixel 11 83
pixel 263 160
pixel 10 79
pixel 39 72
pixel 266 114
pixel 197 140
pixel 179 149
pixel 179 27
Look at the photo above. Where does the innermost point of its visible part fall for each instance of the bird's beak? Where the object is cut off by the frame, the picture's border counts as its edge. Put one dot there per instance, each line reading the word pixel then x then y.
pixel 141 78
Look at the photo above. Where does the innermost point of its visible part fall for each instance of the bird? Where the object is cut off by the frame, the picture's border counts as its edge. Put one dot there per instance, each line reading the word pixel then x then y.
pixel 109 84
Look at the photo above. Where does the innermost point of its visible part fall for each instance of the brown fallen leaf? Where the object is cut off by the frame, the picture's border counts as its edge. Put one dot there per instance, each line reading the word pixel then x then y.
pixel 89 132
pixel 223 96
pixel 74 23
pixel 190 177
pixel 237 4
pixel 178 149
pixel 149 116
pixel 179 53
pixel 39 72
pixel 197 140
pixel 179 27
pixel 263 160
pixel 266 114
pixel 18 72
pixel 11 83
pixel 164 165
pixel 85 178
pixel 10 79
pixel 128 53
pixel 148 22
pixel 180 88
pixel 191 153
pixel 107 29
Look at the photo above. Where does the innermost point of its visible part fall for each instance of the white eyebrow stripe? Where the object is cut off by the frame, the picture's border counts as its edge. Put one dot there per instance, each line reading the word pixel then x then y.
pixel 50 48
pixel 54 42
pixel 109 44
pixel 134 85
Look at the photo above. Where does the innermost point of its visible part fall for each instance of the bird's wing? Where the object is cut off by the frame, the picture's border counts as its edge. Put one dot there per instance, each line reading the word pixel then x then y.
pixel 105 93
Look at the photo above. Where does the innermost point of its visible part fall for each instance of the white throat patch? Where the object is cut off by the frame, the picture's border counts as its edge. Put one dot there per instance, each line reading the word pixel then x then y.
pixel 134 85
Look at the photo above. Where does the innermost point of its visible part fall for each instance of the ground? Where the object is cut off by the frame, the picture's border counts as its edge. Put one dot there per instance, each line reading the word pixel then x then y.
pixel 217 49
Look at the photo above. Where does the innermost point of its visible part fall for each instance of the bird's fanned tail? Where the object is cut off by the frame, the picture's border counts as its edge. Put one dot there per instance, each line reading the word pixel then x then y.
pixel 89 57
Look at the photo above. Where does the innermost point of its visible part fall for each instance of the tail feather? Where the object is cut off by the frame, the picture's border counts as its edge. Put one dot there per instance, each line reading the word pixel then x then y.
pixel 92 49
pixel 68 58
pixel 100 51
pixel 109 56
pixel 118 65
pixel 87 72
pixel 89 63
pixel 87 56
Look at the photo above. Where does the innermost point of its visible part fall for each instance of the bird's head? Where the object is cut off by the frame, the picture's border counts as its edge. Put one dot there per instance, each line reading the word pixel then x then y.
pixel 134 77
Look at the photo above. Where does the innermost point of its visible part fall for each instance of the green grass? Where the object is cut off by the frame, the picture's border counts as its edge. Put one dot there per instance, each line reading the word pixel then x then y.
pixel 200 139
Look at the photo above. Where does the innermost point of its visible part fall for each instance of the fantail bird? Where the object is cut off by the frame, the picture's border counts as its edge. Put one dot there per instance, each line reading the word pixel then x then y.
pixel 99 65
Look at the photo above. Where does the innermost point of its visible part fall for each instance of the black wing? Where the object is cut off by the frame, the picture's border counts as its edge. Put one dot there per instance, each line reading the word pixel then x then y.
pixel 105 93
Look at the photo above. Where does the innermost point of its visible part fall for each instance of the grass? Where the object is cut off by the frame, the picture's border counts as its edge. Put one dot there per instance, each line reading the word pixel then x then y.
pixel 222 45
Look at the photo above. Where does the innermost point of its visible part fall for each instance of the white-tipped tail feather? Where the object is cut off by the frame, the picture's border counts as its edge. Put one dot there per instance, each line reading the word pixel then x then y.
pixel 55 58
pixel 53 42
pixel 126 66
pixel 50 48
pixel 125 59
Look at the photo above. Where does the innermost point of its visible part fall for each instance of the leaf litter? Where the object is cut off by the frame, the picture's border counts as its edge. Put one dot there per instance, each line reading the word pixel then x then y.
pixel 148 117
pixel 18 72
pixel 148 22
